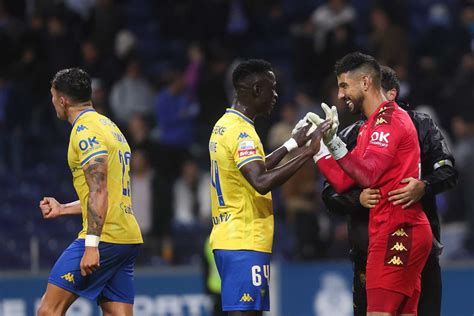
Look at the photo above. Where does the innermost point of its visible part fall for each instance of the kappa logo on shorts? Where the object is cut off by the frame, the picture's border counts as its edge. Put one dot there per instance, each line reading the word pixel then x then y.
pixel 400 232
pixel 246 298
pixel 395 261
pixel 399 247
pixel 68 277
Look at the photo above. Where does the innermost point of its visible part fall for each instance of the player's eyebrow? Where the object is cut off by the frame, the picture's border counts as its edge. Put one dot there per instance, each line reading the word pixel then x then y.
pixel 342 84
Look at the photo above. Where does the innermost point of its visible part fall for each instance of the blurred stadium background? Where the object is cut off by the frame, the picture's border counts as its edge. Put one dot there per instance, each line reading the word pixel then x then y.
pixel 161 71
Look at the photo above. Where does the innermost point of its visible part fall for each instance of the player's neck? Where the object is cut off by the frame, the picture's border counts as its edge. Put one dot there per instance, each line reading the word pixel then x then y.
pixel 245 110
pixel 372 102
pixel 75 111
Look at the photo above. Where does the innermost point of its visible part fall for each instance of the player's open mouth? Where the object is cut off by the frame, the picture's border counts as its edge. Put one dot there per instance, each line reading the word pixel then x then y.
pixel 349 104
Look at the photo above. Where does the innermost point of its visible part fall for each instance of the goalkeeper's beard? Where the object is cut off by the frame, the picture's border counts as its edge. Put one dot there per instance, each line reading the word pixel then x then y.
pixel 357 102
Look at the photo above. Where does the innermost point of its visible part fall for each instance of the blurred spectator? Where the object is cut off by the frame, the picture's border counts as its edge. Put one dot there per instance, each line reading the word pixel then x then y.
pixel 446 53
pixel 138 136
pixel 329 16
pixel 463 128
pixel 124 45
pixel 132 93
pixel 99 97
pixel 388 41
pixel 193 69
pixel 281 130
pixel 191 194
pixel 142 189
pixel 212 94
pixel 91 62
pixel 305 103
pixel 176 112
pixel 61 47
pixel 299 194
pixel 106 21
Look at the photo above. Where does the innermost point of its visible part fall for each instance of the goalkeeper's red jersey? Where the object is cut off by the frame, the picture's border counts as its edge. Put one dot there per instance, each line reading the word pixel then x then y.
pixel 387 151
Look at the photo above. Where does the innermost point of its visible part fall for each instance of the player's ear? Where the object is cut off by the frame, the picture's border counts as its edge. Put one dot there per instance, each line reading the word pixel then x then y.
pixel 365 82
pixel 256 89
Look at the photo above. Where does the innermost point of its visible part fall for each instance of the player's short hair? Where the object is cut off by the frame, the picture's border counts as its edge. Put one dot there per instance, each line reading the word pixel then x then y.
pixel 248 68
pixel 359 61
pixel 389 79
pixel 73 82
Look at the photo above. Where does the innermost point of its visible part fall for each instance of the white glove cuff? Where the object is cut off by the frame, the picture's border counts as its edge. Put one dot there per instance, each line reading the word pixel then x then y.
pixel 92 241
pixel 337 148
pixel 323 152
pixel 290 144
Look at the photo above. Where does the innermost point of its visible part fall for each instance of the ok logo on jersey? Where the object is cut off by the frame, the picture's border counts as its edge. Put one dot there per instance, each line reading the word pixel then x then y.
pixel 379 138
pixel 90 142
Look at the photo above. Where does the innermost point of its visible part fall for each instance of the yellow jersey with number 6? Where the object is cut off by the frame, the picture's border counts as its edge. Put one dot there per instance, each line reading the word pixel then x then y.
pixel 242 218
pixel 95 135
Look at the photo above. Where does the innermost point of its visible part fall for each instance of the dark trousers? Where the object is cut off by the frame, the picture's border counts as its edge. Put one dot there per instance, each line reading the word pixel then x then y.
pixel 430 299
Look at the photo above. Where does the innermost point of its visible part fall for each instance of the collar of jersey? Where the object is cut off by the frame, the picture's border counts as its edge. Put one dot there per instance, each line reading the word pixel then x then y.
pixel 232 111
pixel 376 112
pixel 80 114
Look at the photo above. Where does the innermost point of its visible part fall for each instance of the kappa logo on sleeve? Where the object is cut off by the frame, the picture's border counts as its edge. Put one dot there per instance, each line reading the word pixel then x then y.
pixel 380 139
pixel 247 148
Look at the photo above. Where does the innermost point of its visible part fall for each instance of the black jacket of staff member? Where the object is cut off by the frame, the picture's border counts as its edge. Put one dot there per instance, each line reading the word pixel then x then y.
pixel 438 173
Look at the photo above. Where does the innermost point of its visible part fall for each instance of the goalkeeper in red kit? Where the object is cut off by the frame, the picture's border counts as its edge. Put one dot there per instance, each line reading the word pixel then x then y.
pixel 387 151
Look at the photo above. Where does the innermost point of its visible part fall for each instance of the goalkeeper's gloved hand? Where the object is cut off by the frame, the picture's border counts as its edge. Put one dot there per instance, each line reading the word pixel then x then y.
pixel 334 144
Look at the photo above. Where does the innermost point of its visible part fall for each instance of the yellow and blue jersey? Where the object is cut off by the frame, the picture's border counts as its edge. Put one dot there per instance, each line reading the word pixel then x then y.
pixel 94 135
pixel 242 218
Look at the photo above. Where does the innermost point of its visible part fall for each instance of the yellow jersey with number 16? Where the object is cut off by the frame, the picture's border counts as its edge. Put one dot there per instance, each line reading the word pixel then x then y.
pixel 95 135
pixel 242 218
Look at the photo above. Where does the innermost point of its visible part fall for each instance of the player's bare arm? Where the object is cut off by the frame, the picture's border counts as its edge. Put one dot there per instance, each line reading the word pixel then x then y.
pixel 95 172
pixel 300 138
pixel 264 180
pixel 51 208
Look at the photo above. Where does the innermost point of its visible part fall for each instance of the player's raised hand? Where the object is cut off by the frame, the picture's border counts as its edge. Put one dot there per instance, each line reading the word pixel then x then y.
pixel 303 135
pixel 50 207
pixel 316 136
pixel 90 261
pixel 409 194
pixel 331 114
pixel 369 198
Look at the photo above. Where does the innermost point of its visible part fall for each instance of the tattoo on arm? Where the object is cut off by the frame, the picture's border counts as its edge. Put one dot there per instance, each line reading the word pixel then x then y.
pixel 95 172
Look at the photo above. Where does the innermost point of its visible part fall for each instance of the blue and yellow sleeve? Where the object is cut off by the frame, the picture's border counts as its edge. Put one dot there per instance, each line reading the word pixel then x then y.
pixel 245 149
pixel 88 143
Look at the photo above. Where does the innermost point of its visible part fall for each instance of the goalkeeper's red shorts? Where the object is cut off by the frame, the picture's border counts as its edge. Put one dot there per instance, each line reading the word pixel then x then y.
pixel 395 260
pixel 385 301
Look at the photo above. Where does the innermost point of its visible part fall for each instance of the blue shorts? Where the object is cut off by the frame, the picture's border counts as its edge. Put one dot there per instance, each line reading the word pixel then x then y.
pixel 244 275
pixel 113 280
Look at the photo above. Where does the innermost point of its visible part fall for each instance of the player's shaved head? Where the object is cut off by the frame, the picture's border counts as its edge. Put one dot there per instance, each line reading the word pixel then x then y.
pixel 247 70
pixel 358 63
pixel 74 83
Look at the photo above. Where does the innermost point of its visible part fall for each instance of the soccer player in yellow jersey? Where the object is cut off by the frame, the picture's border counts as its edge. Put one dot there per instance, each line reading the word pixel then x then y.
pixel 99 264
pixel 242 178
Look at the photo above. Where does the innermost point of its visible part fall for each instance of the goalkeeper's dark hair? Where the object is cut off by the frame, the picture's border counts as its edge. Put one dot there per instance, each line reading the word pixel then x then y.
pixel 248 68
pixel 73 82
pixel 389 79
pixel 359 61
